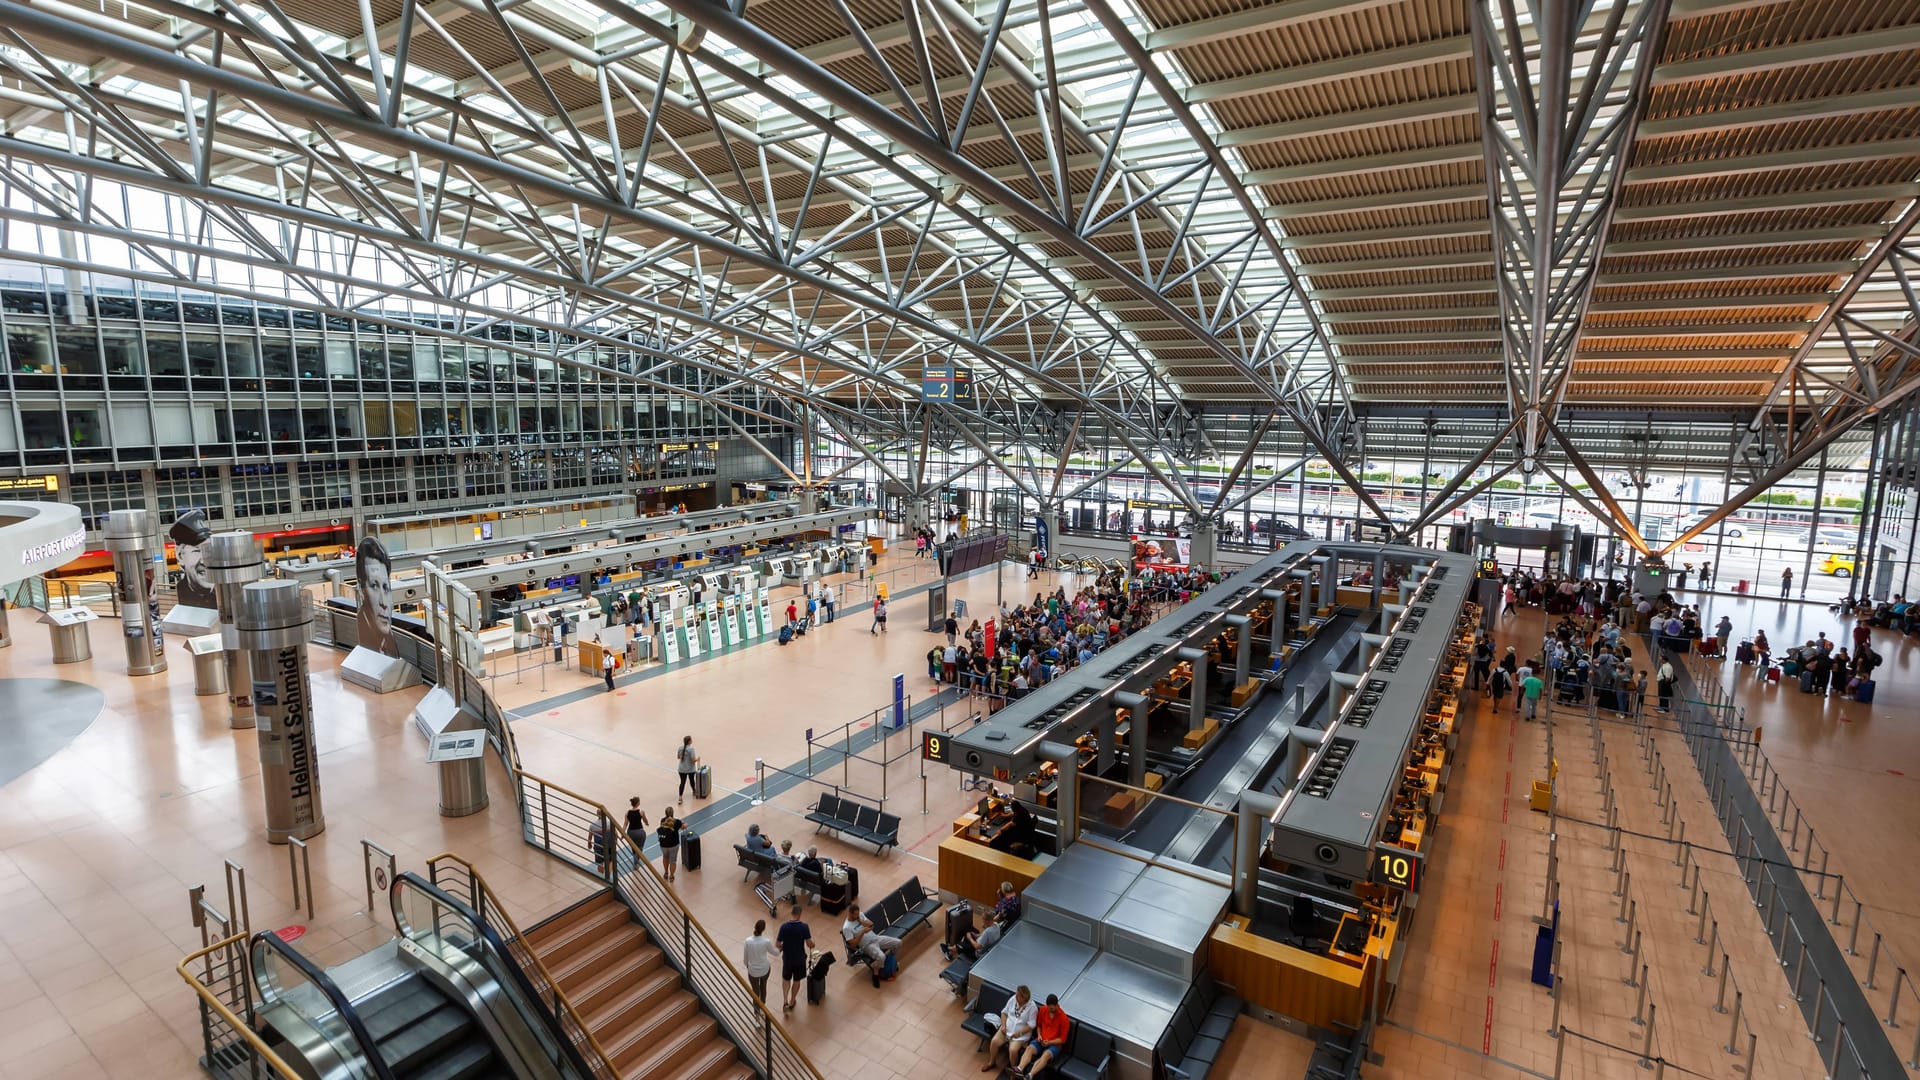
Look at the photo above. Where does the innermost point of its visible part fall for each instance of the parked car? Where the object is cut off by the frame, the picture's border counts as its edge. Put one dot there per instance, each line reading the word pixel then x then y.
pixel 1826 540
pixel 1278 529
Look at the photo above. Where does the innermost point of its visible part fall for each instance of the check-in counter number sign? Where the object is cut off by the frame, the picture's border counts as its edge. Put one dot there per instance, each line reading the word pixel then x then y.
pixel 1397 867
pixel 933 746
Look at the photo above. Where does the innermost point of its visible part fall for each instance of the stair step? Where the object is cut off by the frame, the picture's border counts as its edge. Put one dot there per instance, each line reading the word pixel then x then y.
pixel 555 949
pixel 564 920
pixel 659 1056
pixel 628 997
pixel 642 1028
pixel 715 1060
pixel 579 968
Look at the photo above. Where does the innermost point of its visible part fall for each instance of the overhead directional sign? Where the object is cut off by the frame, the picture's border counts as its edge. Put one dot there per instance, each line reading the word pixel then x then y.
pixel 948 385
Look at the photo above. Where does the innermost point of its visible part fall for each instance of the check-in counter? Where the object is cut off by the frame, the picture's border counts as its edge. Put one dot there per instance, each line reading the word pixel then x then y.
pixel 973 870
pixel 1320 990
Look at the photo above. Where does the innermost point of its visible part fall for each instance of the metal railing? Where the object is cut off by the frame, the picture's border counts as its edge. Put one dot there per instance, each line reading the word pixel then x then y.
pixel 221 978
pixel 569 826
pixel 458 877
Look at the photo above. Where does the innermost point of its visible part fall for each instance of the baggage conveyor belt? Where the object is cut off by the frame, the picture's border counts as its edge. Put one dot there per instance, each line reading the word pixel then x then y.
pixel 1244 755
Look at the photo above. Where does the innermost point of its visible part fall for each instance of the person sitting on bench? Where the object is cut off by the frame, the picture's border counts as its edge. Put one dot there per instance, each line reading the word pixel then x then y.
pixel 861 938
pixel 975 943
pixel 1017 1018
pixel 1050 1027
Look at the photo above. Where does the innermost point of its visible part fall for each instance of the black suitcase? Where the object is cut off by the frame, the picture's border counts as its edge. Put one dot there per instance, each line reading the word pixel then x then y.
pixel 1744 654
pixel 689 850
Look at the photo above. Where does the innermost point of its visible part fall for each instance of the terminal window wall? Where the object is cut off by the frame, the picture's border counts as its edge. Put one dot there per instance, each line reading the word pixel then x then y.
pixel 96 494
pixel 326 485
pixel 179 490
pixel 383 484
pixel 261 491
pixel 436 478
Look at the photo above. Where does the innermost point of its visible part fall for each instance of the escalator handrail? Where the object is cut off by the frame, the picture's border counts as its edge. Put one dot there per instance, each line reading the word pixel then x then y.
pixel 499 948
pixel 325 984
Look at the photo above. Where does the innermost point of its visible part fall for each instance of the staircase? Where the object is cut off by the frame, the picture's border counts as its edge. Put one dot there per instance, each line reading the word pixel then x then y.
pixel 631 999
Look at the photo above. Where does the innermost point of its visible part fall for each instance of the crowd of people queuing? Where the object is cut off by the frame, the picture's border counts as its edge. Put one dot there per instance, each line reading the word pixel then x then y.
pixel 1588 652
pixel 1035 642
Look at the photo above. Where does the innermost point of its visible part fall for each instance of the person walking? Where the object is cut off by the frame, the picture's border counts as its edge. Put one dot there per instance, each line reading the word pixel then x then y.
pixel 795 941
pixel 669 834
pixel 1786 582
pixel 1500 684
pixel 1482 664
pixel 757 953
pixel 600 839
pixel 1706 577
pixel 879 617
pixel 953 627
pixel 606 667
pixel 793 612
pixel 637 824
pixel 1666 685
pixel 687 764
pixel 1530 688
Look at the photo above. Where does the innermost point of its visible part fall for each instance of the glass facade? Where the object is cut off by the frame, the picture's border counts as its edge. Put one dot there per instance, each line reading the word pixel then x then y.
pixel 268 414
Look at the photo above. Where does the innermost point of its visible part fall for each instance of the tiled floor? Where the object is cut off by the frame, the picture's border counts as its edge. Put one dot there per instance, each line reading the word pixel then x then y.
pixel 99 845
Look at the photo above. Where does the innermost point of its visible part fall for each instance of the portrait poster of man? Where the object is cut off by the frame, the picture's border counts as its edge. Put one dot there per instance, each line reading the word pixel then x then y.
pixel 373 568
pixel 189 534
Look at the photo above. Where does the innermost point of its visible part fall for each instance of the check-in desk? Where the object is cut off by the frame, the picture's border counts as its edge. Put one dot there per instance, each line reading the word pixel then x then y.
pixel 1319 989
pixel 971 869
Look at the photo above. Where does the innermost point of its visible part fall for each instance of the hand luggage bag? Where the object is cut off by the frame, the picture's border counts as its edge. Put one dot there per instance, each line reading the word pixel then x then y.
pixel 786 634
pixel 690 850
pixel 703 782
pixel 1864 692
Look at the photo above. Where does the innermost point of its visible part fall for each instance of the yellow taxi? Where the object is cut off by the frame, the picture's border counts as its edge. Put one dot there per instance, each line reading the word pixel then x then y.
pixel 1838 564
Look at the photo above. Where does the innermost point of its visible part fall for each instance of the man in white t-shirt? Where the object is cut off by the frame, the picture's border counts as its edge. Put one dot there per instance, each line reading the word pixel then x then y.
pixel 1017 1018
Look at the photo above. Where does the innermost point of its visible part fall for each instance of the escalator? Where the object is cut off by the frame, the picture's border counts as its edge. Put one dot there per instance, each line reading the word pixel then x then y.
pixel 443 1001
pixel 421 1033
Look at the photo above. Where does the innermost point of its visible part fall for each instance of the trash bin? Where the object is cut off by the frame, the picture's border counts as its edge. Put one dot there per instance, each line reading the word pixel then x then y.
pixel 209 664
pixel 69 630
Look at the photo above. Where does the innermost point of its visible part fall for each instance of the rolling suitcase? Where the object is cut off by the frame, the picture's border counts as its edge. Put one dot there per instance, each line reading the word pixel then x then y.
pixel 1773 674
pixel 1744 654
pixel 1806 681
pixel 690 850
pixel 786 634
pixel 817 977
pixel 1864 692
pixel 703 782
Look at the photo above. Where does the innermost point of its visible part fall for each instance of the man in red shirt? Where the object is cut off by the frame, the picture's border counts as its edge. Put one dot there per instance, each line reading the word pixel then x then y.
pixel 1050 1028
